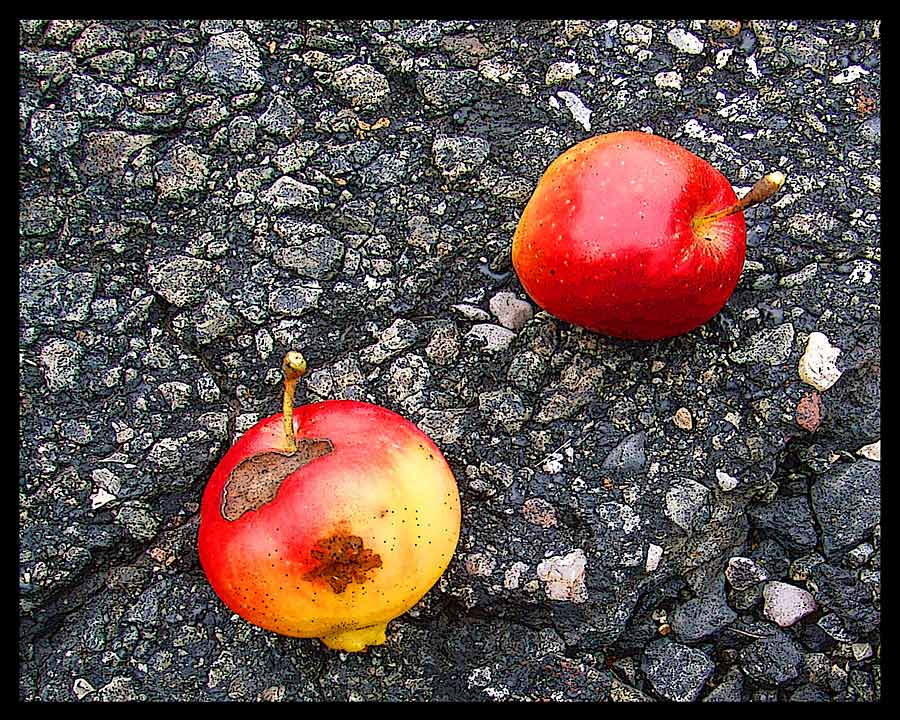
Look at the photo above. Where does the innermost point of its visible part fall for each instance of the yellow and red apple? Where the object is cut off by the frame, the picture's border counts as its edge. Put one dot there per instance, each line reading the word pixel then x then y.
pixel 334 537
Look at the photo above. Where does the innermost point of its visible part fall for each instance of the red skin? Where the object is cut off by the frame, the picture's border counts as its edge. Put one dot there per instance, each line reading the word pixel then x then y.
pixel 385 482
pixel 606 240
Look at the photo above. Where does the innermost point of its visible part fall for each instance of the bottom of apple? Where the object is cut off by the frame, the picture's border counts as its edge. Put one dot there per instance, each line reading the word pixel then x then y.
pixel 357 639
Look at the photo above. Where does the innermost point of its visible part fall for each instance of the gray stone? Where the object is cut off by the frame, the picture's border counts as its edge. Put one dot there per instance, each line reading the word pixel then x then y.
pixel 398 336
pixel 97 37
pixel 676 672
pixel 687 504
pixel 232 61
pixel 770 346
pixel 181 173
pixel 92 99
pixel 847 504
pixel 730 689
pixel 61 364
pixel 47 63
pixel 459 156
pixel 841 592
pixel 39 215
pixel 512 312
pixel 52 131
pixel 362 86
pixel 213 319
pixel 109 151
pixel 504 408
pixel 281 119
pixel 242 133
pixel 701 617
pixel 788 520
pixel 52 296
pixel 182 280
pixel 627 458
pixel 296 299
pixel 289 194
pixel 773 660
pixel 319 257
pixel 743 573
pixel 445 90
pixel 491 338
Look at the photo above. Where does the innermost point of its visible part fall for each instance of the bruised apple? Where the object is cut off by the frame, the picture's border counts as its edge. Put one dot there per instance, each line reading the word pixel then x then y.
pixel 328 520
pixel 631 235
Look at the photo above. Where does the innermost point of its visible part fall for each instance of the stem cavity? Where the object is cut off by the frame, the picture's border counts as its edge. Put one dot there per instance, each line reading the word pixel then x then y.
pixel 764 188
pixel 293 367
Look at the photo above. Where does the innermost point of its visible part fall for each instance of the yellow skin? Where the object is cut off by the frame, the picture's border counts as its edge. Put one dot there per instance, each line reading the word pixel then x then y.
pixel 350 540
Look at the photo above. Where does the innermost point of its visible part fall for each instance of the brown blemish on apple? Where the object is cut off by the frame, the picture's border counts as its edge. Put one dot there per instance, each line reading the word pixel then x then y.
pixel 341 559
pixel 255 481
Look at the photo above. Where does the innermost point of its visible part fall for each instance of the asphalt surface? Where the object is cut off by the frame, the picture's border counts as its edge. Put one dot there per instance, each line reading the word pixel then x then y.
pixel 691 519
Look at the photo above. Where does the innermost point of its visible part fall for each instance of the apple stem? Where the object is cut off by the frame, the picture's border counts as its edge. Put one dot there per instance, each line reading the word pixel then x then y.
pixel 764 188
pixel 293 367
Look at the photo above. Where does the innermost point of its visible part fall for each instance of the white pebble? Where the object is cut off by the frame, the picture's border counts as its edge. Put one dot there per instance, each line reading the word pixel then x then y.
pixel 560 72
pixel 670 79
pixel 785 604
pixel 817 366
pixel 563 576
pixel 726 481
pixel 871 452
pixel 512 312
pixel 685 41
pixel 654 555
pixel 580 112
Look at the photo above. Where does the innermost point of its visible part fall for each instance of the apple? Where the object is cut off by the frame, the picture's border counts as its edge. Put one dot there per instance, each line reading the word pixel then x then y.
pixel 328 520
pixel 631 235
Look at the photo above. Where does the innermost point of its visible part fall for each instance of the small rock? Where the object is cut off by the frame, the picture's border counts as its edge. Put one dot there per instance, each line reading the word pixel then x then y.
pixel 785 604
pixel 726 481
pixel 52 131
pixel 539 512
pixel 61 364
pixel 459 156
pixel 654 555
pixel 683 419
pixel 580 112
pixel 280 119
pixel 181 173
pixel 318 258
pixel 817 366
pixel 787 520
pixel 685 41
pixel 445 90
pixel 362 86
pixel 512 312
pixel 563 576
pixel 505 408
pixel 871 452
pixel 670 79
pixel 769 346
pixel 232 61
pixel 295 300
pixel 560 72
pixel 628 457
pixel 701 617
pixel 181 279
pixel 687 504
pixel 82 688
pixel 743 573
pixel 492 338
pixel 730 689
pixel 289 194
pixel 676 672
pixel 726 27
pixel 809 411
pixel 846 501
pixel 400 335
pixel 773 660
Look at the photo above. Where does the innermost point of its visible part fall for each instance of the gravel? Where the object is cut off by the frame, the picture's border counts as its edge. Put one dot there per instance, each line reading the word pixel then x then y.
pixel 641 521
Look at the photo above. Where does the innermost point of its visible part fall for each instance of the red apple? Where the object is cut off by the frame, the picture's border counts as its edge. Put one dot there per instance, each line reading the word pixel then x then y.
pixel 336 536
pixel 630 235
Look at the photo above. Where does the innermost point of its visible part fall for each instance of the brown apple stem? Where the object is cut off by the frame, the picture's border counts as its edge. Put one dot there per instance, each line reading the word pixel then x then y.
pixel 293 367
pixel 764 188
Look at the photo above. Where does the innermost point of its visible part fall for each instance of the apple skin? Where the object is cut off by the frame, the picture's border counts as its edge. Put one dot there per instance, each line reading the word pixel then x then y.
pixel 607 239
pixel 384 483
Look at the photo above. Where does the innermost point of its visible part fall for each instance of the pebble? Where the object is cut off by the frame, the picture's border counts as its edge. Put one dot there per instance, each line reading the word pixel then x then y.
pixel 809 413
pixel 286 193
pixel 512 312
pixel 871 452
pixel 726 481
pixel 180 279
pixel 459 156
pixel 580 112
pixel 670 79
pixel 846 501
pixel 772 661
pixel 280 119
pixel 294 300
pixel 743 573
pixel 108 151
pixel 563 576
pixel 789 521
pixel 181 173
pixel 539 512
pixel 232 61
pixel 654 555
pixel 686 42
pixel 627 458
pixel 445 90
pixel 676 672
pixel 769 346
pixel 683 419
pixel 318 258
pixel 785 604
pixel 702 617
pixel 492 338
pixel 52 131
pixel 395 338
pixel 817 365
pixel 687 504
pixel 61 364
pixel 504 408
pixel 730 689
pixel 561 72
pixel 361 85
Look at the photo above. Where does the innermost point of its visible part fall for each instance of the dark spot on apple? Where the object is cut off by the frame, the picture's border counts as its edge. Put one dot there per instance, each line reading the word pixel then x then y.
pixel 341 559
pixel 256 479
